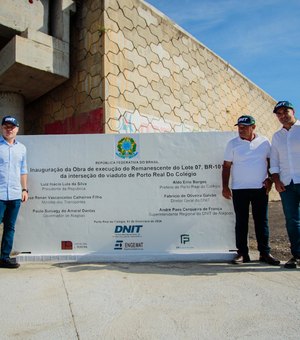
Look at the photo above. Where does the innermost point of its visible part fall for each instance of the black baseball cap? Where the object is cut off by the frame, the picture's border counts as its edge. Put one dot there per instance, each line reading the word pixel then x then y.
pixel 283 103
pixel 10 120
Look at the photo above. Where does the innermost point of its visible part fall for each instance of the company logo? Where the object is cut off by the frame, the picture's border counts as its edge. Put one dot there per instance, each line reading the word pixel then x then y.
pixel 66 245
pixel 127 237
pixel 185 242
pixel 81 245
pixel 121 245
pixel 118 245
pixel 184 238
pixel 127 148
pixel 130 229
pixel 133 245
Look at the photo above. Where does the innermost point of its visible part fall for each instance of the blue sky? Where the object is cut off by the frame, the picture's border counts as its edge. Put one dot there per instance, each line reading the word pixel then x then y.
pixel 260 38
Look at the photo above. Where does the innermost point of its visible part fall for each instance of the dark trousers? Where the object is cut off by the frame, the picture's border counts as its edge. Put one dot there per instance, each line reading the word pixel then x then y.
pixel 259 202
pixel 290 199
pixel 8 215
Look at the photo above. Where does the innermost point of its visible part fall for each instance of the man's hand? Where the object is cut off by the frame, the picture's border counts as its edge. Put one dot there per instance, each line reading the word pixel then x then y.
pixel 226 192
pixel 268 185
pixel 279 186
pixel 24 196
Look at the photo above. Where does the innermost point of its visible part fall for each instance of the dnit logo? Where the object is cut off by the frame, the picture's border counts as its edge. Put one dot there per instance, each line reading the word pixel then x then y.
pixel 118 245
pixel 184 238
pixel 128 229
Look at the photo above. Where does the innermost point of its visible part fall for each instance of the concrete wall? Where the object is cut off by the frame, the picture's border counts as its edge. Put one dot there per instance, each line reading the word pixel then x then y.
pixel 77 105
pixel 17 16
pixel 34 51
pixel 134 70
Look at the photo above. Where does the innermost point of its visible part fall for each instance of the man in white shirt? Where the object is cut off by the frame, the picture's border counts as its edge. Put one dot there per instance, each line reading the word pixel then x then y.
pixel 285 170
pixel 246 159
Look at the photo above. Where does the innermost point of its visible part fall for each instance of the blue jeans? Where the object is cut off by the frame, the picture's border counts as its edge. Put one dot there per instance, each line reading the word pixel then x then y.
pixel 290 199
pixel 259 202
pixel 8 215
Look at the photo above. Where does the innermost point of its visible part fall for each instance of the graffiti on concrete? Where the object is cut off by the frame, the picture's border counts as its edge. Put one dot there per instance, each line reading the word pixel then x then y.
pixel 87 122
pixel 134 122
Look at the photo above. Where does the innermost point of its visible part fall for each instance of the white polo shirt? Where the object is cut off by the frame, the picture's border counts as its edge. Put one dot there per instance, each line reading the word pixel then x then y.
pixel 285 154
pixel 249 161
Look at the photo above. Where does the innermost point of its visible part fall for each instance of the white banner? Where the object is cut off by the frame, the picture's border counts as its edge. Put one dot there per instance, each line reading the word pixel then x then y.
pixel 137 197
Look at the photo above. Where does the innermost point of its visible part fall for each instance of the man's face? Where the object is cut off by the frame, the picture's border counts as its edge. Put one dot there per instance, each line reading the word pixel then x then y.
pixel 246 131
pixel 9 131
pixel 285 115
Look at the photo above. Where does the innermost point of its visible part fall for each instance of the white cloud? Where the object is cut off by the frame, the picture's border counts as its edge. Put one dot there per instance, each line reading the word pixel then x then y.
pixel 247 27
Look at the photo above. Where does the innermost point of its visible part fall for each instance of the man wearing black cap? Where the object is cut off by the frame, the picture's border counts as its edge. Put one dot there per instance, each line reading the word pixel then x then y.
pixel 285 170
pixel 13 186
pixel 246 159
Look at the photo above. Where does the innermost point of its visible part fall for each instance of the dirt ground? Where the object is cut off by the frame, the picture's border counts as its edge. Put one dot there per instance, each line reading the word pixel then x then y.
pixel 278 236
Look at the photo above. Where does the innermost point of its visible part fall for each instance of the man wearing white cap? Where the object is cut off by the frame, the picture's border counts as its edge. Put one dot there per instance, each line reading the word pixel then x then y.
pixel 246 159
pixel 13 186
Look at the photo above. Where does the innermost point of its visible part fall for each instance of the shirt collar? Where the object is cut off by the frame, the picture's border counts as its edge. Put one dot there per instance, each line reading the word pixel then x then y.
pixel 249 141
pixel 2 140
pixel 297 122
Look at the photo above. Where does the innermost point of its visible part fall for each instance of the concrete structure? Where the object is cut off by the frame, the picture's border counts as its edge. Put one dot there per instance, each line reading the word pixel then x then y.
pixel 131 70
pixel 34 51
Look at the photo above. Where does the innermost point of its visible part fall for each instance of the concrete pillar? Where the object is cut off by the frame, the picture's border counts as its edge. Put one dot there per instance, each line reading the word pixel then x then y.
pixel 60 18
pixel 12 104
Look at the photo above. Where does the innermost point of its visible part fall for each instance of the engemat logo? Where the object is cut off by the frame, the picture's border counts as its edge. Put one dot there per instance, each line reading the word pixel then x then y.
pixel 121 245
pixel 118 245
pixel 133 245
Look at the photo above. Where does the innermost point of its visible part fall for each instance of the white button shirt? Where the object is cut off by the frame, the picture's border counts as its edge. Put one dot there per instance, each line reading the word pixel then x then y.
pixel 12 166
pixel 285 154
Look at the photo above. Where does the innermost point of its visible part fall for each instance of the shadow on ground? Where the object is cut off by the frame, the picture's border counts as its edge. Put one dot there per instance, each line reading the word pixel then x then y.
pixel 173 268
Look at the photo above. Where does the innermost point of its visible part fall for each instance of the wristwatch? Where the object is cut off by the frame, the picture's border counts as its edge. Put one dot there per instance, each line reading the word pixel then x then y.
pixel 25 190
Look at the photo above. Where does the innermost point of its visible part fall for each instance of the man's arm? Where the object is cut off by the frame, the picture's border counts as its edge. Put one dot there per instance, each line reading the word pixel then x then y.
pixel 268 181
pixel 226 192
pixel 275 168
pixel 278 184
pixel 24 186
